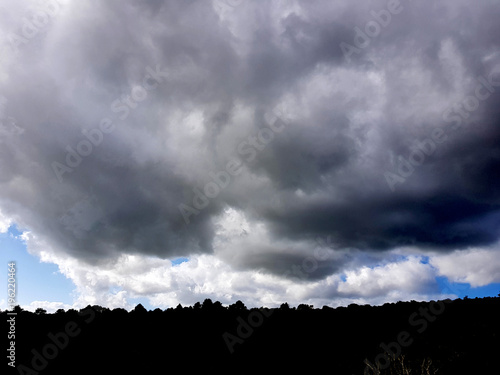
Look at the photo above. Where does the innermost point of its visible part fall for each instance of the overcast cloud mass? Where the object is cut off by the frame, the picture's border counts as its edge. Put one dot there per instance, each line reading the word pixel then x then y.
pixel 323 152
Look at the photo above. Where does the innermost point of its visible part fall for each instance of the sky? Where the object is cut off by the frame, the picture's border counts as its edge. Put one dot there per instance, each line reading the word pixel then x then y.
pixel 320 152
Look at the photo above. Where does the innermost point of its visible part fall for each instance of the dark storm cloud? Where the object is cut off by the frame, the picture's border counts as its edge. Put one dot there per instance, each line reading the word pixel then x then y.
pixel 347 123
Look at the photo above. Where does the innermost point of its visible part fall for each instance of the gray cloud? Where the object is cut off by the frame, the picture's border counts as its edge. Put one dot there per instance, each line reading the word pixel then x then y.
pixel 346 124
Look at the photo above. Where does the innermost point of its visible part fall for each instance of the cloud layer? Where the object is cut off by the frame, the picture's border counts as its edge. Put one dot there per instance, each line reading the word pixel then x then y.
pixel 115 115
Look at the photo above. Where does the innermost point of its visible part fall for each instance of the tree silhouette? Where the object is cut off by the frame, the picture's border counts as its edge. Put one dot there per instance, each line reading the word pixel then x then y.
pixel 207 304
pixel 40 311
pixel 284 306
pixel 222 339
pixel 303 306
pixel 139 309
pixel 238 306
pixel 217 306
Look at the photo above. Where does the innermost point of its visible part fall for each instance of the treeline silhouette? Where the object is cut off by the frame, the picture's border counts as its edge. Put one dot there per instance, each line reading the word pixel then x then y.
pixel 450 337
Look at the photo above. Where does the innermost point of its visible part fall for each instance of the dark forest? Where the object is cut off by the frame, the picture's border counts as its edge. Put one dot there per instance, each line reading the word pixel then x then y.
pixel 436 337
